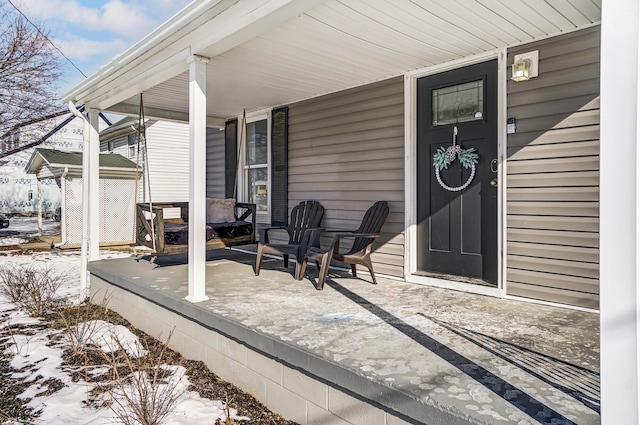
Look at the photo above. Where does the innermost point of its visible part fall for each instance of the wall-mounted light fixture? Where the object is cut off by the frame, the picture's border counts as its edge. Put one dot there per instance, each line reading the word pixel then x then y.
pixel 525 66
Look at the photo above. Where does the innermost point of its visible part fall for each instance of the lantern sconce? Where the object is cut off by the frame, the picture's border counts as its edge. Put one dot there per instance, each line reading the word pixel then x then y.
pixel 525 66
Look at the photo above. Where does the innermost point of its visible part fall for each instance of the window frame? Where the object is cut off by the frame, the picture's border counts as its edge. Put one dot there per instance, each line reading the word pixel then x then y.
pixel 243 169
pixel 131 147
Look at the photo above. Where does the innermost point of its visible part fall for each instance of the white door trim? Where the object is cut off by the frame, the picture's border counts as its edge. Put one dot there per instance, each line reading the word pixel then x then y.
pixel 410 140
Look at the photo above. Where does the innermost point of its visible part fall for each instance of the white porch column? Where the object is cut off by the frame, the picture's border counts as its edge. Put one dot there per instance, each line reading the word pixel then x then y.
pixel 84 247
pixel 94 185
pixel 197 177
pixel 619 208
pixel 39 186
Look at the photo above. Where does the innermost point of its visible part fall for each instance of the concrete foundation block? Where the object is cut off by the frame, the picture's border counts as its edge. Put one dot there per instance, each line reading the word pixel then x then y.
pixel 310 389
pixel 270 368
pixel 353 410
pixel 394 420
pixel 318 415
pixel 206 337
pixel 287 403
pixel 186 326
pixel 190 348
pixel 240 375
pixel 232 349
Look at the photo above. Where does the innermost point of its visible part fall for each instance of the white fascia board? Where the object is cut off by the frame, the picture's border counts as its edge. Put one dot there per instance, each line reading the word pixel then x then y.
pixel 117 172
pixel 103 171
pixel 140 77
pixel 63 166
pixel 73 170
pixel 164 53
pixel 34 164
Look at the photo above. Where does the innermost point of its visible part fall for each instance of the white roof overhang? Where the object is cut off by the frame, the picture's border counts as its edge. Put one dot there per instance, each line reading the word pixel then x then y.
pixel 265 53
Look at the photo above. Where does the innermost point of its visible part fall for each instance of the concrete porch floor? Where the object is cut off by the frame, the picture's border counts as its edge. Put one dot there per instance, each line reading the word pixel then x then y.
pixel 422 354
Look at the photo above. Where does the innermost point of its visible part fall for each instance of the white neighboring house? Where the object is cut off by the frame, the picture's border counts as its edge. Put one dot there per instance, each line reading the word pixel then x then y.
pixel 168 156
pixel 18 190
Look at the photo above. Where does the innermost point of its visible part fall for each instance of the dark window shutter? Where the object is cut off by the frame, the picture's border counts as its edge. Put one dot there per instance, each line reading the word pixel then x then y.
pixel 230 157
pixel 279 171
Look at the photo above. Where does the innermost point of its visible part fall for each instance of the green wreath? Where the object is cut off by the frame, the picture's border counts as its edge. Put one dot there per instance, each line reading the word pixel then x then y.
pixel 445 156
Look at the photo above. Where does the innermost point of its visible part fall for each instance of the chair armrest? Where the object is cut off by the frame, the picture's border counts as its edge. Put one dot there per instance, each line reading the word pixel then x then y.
pixel 355 235
pixel 311 236
pixel 335 242
pixel 263 233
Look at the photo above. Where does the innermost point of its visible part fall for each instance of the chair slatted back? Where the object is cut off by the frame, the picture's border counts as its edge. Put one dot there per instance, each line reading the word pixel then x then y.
pixel 305 215
pixel 372 222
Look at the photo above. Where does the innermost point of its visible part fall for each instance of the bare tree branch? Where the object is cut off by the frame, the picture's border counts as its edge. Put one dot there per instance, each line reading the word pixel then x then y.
pixel 29 71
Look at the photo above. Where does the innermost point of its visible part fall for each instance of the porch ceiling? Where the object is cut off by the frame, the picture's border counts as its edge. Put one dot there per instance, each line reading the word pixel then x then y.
pixel 265 53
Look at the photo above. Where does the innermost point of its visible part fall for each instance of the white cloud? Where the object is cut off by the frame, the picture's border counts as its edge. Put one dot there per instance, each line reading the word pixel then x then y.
pixel 126 19
pixel 92 32
pixel 81 49
pixel 169 5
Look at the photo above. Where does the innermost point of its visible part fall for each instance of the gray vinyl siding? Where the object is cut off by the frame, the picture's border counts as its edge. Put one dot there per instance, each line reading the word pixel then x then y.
pixel 553 174
pixel 346 150
pixel 215 163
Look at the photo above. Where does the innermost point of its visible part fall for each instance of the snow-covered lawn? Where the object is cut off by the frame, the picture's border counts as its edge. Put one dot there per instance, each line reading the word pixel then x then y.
pixel 23 229
pixel 34 352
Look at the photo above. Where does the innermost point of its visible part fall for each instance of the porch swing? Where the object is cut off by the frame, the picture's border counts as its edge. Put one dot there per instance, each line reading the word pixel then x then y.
pixel 228 222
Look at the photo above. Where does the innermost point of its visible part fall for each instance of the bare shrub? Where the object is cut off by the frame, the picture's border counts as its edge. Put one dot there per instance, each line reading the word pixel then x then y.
pixel 227 410
pixel 32 288
pixel 79 323
pixel 20 342
pixel 145 391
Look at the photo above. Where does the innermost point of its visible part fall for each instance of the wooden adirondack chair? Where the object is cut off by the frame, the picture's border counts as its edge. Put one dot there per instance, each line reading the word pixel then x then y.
pixel 360 252
pixel 303 230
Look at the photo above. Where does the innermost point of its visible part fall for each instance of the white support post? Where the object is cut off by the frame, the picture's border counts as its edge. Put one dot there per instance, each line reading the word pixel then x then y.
pixel 39 186
pixel 619 212
pixel 197 177
pixel 94 185
pixel 84 247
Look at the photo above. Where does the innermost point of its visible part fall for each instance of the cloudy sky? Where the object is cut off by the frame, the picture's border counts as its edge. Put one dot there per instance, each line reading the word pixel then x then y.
pixel 91 32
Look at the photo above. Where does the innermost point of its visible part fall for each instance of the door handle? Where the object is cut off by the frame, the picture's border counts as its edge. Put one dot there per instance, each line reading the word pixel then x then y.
pixel 494 182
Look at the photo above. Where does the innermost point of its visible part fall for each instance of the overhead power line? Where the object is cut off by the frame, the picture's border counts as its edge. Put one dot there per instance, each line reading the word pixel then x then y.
pixel 46 38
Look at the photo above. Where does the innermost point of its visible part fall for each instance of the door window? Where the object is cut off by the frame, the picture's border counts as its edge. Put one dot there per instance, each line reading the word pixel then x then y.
pixel 458 103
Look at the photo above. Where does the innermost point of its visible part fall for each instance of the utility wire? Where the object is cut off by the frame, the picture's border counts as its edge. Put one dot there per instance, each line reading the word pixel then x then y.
pixel 46 38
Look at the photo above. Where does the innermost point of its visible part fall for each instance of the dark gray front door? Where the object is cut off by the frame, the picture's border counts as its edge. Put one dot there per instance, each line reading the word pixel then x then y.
pixel 457 227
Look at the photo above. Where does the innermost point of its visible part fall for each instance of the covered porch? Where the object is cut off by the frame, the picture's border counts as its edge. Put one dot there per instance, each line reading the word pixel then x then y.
pixel 360 353
pixel 216 59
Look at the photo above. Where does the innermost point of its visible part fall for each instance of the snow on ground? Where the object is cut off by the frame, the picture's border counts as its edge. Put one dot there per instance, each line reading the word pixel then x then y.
pixel 11 241
pixel 36 353
pixel 23 229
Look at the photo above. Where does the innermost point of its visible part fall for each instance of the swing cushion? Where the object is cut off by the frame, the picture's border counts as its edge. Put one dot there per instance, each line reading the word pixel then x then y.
pixel 178 233
pixel 221 210
pixel 232 230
